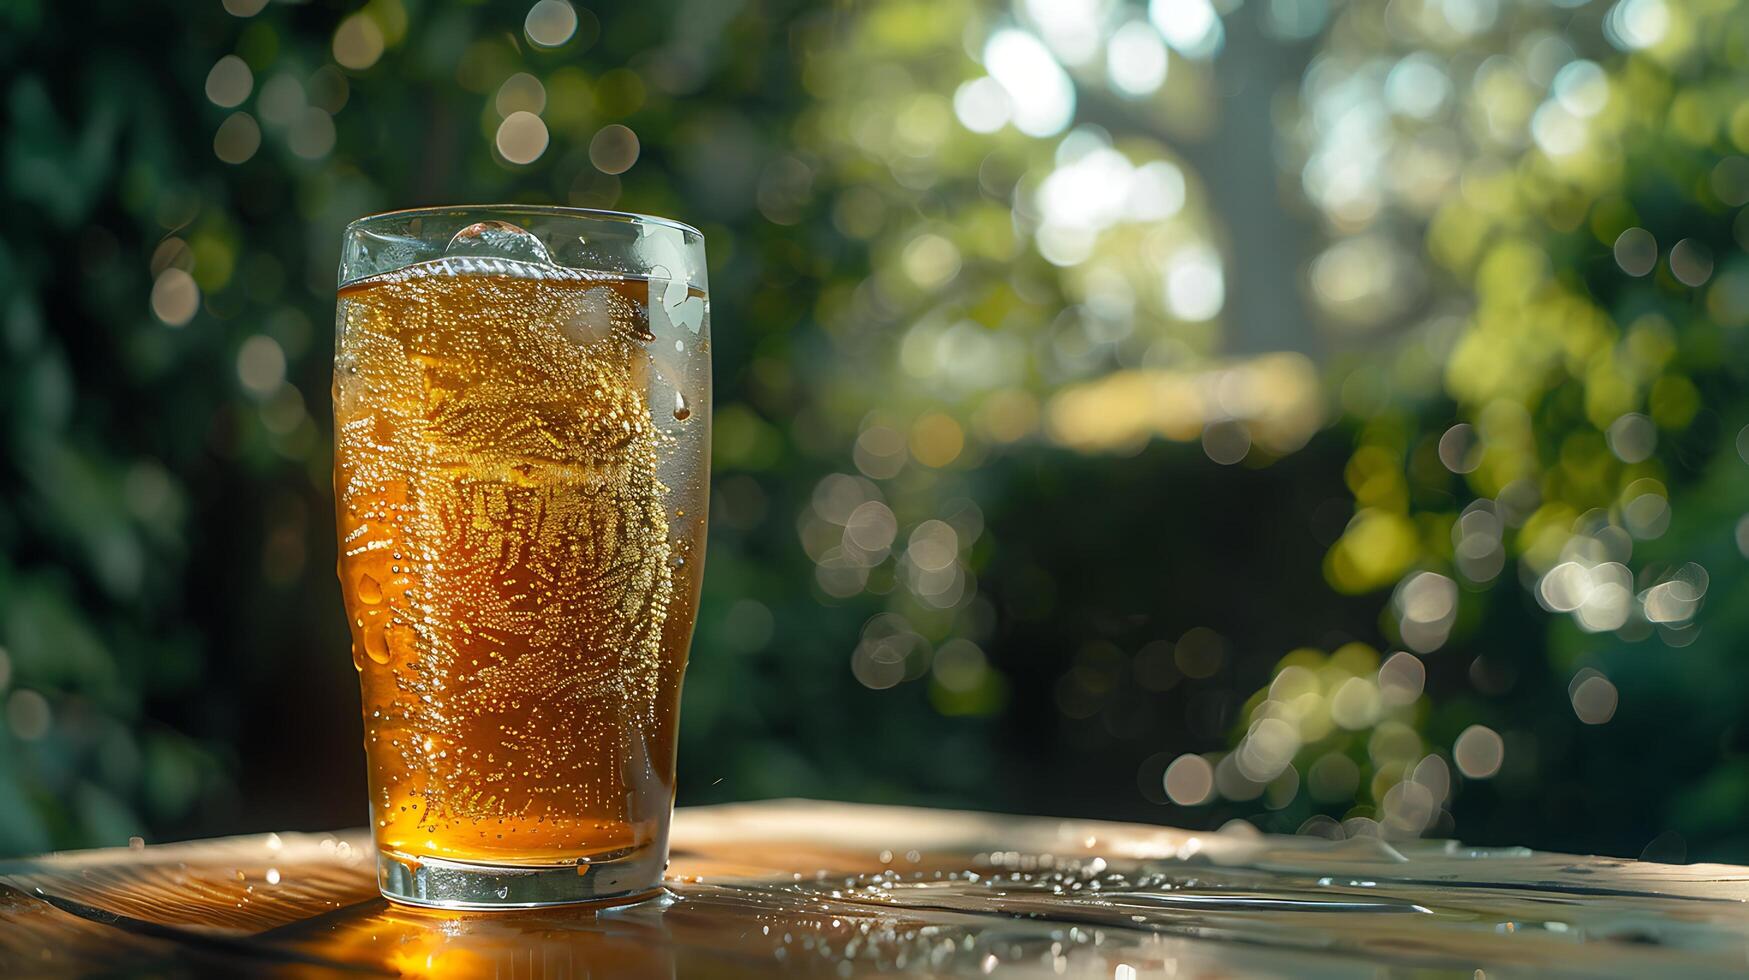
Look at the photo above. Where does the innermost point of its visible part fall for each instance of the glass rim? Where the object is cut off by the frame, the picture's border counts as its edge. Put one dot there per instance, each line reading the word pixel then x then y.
pixel 544 210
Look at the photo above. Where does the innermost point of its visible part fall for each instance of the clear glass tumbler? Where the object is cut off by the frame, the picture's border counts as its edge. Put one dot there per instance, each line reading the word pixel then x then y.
pixel 522 453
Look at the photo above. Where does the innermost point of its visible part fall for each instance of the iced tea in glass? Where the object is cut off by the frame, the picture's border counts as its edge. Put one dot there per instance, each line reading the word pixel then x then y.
pixel 522 433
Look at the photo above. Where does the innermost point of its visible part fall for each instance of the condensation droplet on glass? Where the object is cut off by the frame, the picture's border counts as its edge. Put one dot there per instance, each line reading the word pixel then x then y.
pixel 500 240
pixel 376 644
pixel 369 590
pixel 682 411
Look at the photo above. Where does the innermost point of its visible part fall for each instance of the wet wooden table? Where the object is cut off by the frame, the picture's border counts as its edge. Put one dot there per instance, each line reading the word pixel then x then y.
pixel 833 890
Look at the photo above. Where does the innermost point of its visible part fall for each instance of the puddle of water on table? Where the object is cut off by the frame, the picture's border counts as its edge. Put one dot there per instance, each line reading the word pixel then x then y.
pixel 1082 918
pixel 1271 908
pixel 1091 918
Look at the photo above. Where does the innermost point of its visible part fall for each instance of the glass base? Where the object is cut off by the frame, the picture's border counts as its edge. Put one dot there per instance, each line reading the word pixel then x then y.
pixel 440 883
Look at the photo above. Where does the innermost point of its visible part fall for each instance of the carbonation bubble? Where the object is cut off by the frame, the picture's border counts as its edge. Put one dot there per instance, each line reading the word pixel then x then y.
pixel 499 240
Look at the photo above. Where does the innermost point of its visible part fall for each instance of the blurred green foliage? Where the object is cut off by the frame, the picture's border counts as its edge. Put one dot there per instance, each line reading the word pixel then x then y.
pixel 1569 409
pixel 1075 362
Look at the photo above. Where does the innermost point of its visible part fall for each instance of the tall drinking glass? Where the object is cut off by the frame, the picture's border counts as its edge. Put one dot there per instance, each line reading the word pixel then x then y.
pixel 522 452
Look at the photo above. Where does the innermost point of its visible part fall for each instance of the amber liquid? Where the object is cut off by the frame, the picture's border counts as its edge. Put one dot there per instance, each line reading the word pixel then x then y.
pixel 519 485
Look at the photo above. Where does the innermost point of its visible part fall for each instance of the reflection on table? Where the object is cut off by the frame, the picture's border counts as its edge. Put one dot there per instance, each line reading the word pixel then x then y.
pixel 841 890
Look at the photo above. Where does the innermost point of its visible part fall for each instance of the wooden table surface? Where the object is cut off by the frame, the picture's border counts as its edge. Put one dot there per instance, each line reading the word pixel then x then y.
pixel 836 890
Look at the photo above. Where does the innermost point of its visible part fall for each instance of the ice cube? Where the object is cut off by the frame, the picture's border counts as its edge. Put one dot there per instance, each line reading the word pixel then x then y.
pixel 499 240
pixel 598 313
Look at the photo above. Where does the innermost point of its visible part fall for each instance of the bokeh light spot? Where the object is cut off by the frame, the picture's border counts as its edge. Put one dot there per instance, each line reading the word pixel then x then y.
pixel 1407 808
pixel 1636 24
pixel 1200 652
pixel 175 297
pixel 1156 191
pixel 1459 448
pixel 358 42
pixel 1226 441
pixel 1355 704
pixel 880 452
pixel 871 528
pixel 1730 181
pixel 328 89
pixel 520 92
pixel 614 149
pixel 1594 699
pixel 1478 752
pixel 1401 679
pixel 933 546
pixel 960 666
pixel 312 135
pixel 550 23
pixel 1190 780
pixel 1191 26
pixel 1417 86
pixel 1427 607
pixel 522 138
pixel 281 100
pixel 237 139
pixel 27 715
pixel 1040 93
pixel 1636 251
pixel 1632 437
pixel 873 669
pixel 982 105
pixel 1581 88
pixel 1135 59
pixel 261 365
pixel 1194 287
pixel 936 439
pixel 930 260
pixel 1557 131
pixel 229 82
pixel 1691 262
